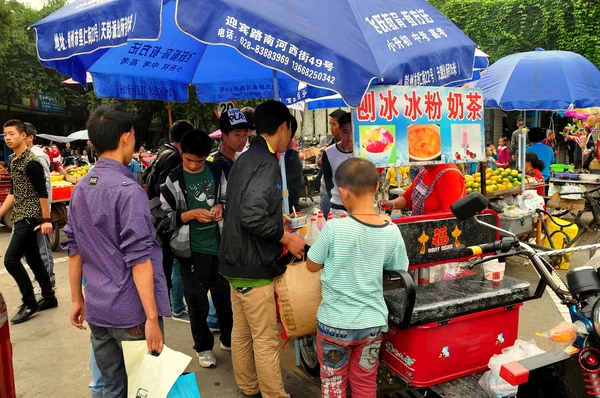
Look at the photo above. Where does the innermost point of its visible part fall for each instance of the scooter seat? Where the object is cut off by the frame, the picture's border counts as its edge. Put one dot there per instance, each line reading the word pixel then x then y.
pixel 440 301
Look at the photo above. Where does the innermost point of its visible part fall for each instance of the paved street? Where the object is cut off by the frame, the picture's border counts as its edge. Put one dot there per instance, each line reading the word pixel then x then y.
pixel 51 356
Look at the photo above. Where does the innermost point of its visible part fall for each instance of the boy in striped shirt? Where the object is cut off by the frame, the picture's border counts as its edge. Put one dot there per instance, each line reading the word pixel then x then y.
pixel 353 253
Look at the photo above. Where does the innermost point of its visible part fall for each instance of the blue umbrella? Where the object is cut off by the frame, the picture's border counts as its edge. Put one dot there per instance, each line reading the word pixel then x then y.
pixel 339 45
pixel 138 52
pixel 541 80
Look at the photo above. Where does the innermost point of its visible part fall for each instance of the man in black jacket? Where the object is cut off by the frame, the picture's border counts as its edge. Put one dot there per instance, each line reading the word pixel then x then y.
pixel 253 239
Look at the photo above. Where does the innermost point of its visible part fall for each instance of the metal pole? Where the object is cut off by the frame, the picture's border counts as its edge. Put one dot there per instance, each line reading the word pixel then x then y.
pixel 522 154
pixel 169 113
pixel 284 188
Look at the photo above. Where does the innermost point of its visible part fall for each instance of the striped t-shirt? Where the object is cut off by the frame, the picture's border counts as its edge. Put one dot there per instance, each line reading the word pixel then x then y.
pixel 354 255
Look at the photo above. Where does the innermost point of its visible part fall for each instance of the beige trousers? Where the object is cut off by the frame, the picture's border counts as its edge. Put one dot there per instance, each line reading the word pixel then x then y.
pixel 255 343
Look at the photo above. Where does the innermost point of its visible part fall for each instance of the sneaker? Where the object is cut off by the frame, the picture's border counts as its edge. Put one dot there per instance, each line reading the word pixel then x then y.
pixel 214 327
pixel 183 316
pixel 38 290
pixel 47 303
pixel 225 348
pixel 242 395
pixel 207 359
pixel 25 312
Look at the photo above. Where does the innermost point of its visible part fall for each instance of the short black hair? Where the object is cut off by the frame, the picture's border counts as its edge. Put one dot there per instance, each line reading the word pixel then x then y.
pixel 16 123
pixel 520 120
pixel 536 162
pixel 3 164
pixel 106 125
pixel 357 175
pixel 346 118
pixel 337 114
pixel 489 143
pixel 30 130
pixel 196 142
pixel 293 125
pixel 248 112
pixel 536 134
pixel 179 128
pixel 269 116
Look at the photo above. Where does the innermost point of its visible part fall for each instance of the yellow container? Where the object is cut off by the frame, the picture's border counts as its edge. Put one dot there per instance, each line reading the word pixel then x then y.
pixel 559 238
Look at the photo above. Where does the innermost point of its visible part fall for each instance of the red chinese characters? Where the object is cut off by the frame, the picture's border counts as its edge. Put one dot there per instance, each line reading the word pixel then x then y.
pixel 474 107
pixel 433 105
pixel 366 111
pixel 440 237
pixel 387 109
pixel 456 107
pixel 412 110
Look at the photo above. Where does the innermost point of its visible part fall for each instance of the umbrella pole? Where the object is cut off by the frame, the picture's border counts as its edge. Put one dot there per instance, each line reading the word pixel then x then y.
pixel 284 188
pixel 169 114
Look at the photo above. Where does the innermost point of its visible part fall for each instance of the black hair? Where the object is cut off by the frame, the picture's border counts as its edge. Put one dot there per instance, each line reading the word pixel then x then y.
pixel 346 118
pixel 30 130
pixel 535 161
pixel 489 143
pixel 196 142
pixel 106 125
pixel 520 120
pixel 16 123
pixel 179 128
pixel 3 164
pixel 536 134
pixel 249 114
pixel 357 175
pixel 293 126
pixel 269 116
pixel 337 114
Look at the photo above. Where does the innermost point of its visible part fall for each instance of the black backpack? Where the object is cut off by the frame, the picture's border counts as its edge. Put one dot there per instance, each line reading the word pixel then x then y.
pixel 150 176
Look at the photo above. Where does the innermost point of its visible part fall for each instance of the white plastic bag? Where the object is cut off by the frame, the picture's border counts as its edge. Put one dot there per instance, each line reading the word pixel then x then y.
pixel 149 376
pixel 492 383
pixel 530 201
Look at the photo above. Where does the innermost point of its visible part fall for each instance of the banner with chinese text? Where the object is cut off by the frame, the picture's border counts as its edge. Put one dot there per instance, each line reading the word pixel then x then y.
pixel 401 125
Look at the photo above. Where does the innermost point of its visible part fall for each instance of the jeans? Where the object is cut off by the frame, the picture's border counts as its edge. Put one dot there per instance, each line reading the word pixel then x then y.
pixel 213 318
pixel 348 356
pixel 255 338
pixel 21 244
pixel 200 275
pixel 176 293
pixel 43 242
pixel 96 386
pixel 325 205
pixel 108 352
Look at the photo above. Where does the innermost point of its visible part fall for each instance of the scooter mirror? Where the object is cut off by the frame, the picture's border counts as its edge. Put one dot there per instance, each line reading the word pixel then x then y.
pixel 470 205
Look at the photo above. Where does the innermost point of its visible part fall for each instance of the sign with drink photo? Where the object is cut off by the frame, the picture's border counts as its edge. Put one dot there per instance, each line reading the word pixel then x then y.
pixel 401 125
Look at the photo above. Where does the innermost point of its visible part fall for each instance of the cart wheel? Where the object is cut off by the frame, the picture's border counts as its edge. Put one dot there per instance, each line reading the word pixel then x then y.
pixel 6 220
pixel 54 236
pixel 308 354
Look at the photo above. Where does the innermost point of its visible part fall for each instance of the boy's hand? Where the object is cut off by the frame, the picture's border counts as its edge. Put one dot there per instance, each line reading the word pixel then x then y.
pixel 154 336
pixel 203 215
pixel 217 212
pixel 76 315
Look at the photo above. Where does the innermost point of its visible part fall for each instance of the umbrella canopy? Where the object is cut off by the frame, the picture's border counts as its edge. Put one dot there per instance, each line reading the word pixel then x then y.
pixel 215 134
pixel 541 80
pixel 340 45
pixel 135 49
pixel 79 135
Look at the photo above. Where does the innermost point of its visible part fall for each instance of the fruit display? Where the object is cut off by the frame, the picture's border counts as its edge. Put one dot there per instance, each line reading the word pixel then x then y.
pixel 56 177
pixel 78 171
pixel 495 180
pixel 61 183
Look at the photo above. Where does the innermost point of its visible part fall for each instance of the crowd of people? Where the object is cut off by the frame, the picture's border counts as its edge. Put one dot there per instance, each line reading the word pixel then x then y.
pixel 205 248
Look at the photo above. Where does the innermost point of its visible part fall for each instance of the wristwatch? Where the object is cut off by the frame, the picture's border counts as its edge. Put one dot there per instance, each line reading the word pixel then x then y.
pixel 44 220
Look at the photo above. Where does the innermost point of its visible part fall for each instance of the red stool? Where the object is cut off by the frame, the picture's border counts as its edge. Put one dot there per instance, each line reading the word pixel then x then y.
pixel 7 376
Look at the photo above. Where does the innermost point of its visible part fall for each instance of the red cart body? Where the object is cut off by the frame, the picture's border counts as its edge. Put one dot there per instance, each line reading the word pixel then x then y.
pixel 7 377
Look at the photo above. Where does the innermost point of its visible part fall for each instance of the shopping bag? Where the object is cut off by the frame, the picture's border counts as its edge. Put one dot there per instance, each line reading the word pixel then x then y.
pixel 298 299
pixel 185 387
pixel 151 376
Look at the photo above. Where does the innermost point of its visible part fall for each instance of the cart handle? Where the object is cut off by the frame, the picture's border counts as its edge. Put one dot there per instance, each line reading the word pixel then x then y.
pixel 408 284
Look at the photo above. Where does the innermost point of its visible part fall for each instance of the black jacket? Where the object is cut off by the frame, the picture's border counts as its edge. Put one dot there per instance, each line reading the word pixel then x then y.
pixel 253 223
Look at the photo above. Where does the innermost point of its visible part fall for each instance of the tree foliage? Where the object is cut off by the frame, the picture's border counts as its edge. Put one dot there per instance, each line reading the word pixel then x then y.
pixel 504 27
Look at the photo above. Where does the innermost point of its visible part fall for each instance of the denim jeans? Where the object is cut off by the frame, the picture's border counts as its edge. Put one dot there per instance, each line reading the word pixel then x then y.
pixel 348 356
pixel 177 305
pixel 108 352
pixel 213 318
pixel 96 386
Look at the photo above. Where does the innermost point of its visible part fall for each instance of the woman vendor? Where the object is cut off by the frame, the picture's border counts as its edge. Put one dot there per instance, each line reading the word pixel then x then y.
pixel 433 190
